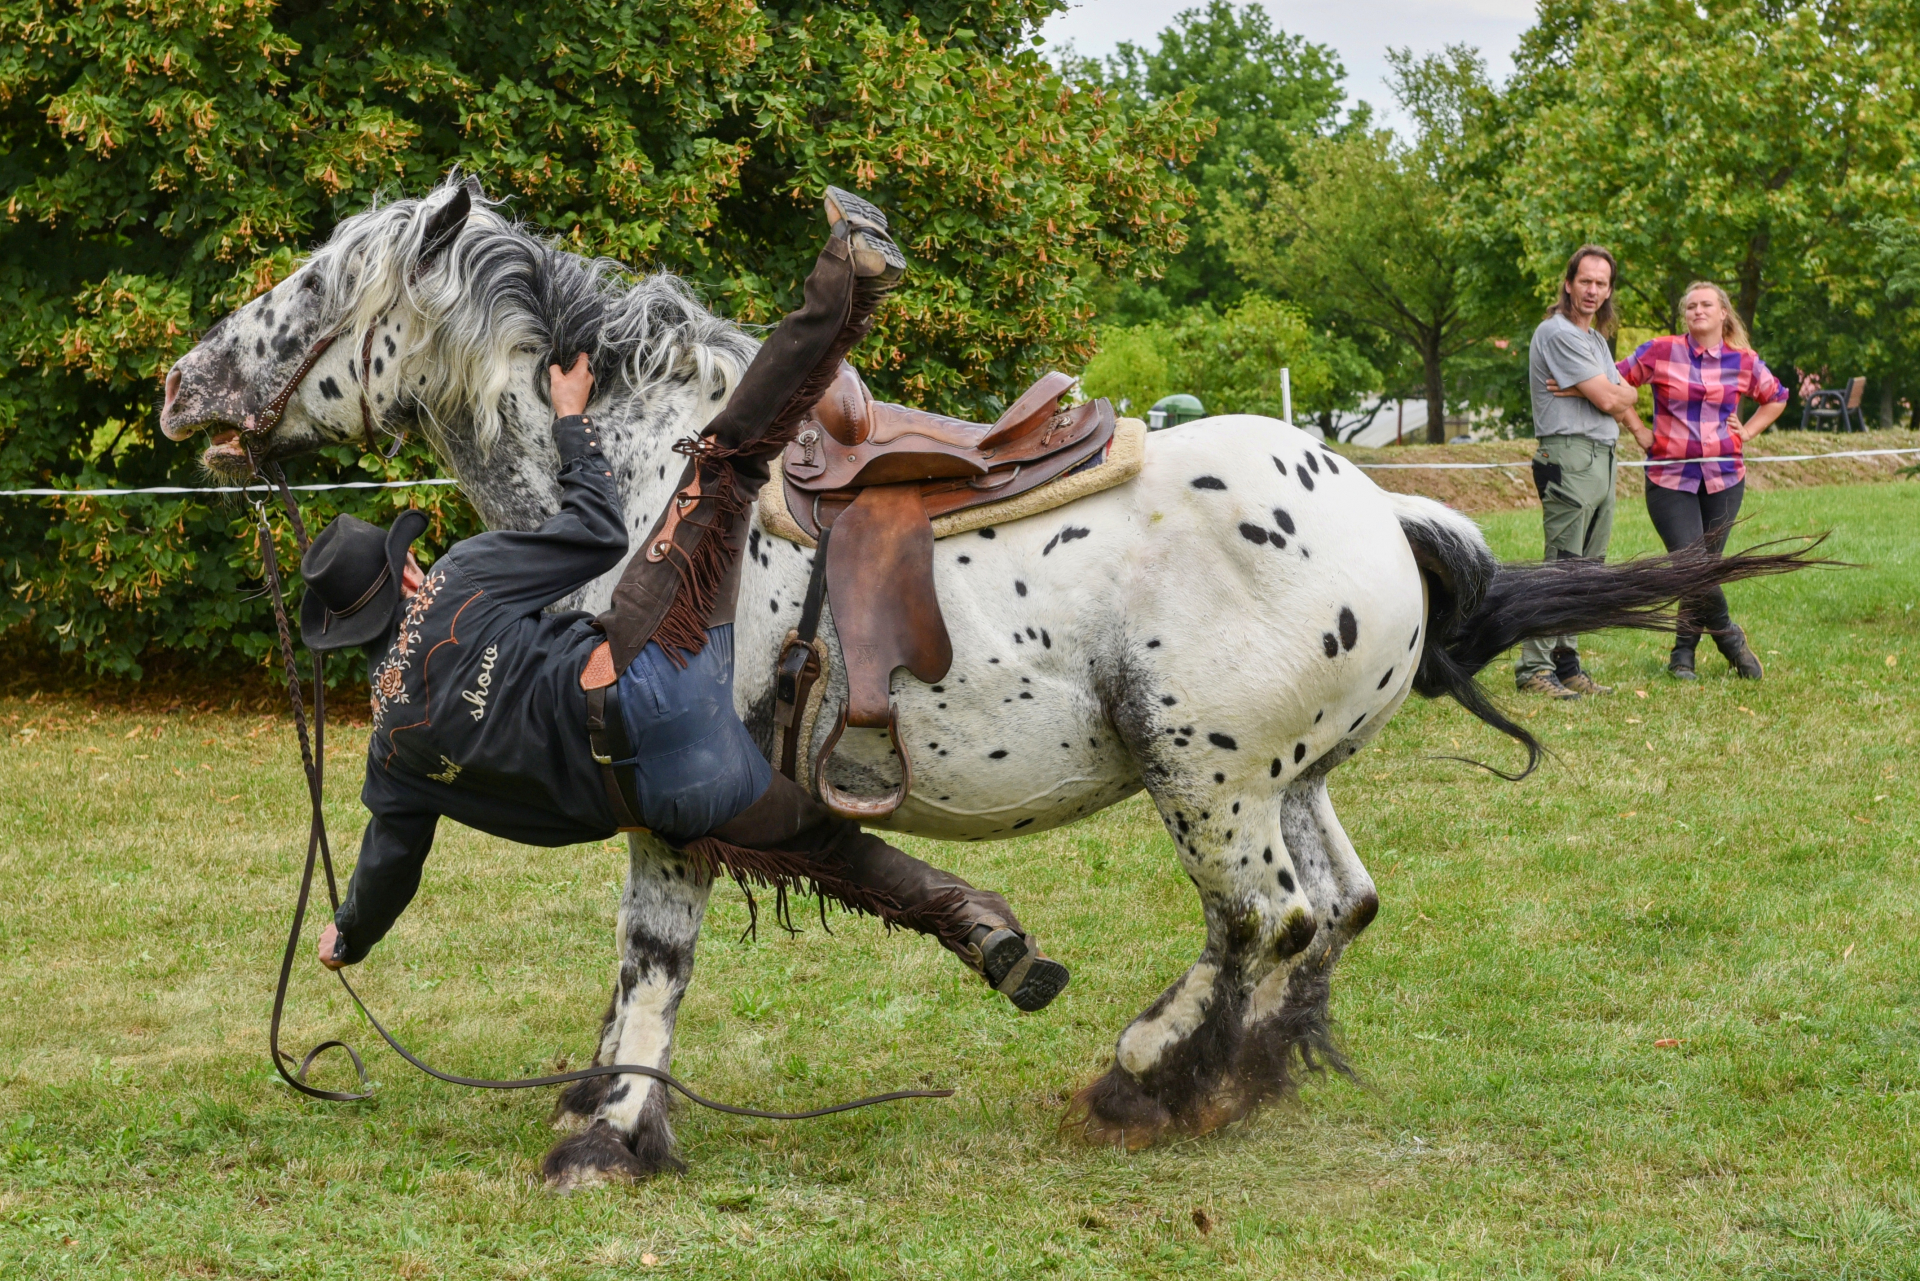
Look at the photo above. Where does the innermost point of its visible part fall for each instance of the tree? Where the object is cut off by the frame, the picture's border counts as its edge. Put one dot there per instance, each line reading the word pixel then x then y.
pixel 162 161
pixel 1372 233
pixel 1264 92
pixel 1232 361
pixel 1740 144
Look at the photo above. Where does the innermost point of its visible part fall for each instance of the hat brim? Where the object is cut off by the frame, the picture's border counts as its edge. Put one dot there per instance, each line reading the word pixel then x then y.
pixel 324 632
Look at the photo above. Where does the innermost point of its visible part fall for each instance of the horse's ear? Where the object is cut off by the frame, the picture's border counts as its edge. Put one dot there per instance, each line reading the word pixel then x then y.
pixel 443 226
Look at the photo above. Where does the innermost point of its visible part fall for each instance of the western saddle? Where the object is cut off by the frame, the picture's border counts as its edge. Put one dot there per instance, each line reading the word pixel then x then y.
pixel 864 479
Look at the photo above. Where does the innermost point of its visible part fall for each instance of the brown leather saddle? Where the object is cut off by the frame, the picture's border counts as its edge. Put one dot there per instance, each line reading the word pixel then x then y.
pixel 865 479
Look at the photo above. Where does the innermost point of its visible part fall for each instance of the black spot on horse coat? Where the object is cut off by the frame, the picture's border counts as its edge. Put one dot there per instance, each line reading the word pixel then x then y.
pixel 1349 628
pixel 1208 482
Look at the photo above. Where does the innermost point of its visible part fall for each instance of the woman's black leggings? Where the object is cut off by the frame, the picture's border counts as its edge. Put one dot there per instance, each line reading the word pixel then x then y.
pixel 1682 520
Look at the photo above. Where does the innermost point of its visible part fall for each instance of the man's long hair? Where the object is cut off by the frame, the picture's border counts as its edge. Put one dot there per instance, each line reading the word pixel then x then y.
pixel 1605 319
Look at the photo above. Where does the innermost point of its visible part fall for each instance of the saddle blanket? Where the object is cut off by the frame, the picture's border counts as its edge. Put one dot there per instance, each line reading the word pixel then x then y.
pixel 1119 464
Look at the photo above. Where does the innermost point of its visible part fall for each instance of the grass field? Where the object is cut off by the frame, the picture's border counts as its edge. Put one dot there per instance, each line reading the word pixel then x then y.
pixel 1653 1012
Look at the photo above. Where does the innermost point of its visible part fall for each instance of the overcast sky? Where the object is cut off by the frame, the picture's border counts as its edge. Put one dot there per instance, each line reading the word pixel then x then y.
pixel 1360 30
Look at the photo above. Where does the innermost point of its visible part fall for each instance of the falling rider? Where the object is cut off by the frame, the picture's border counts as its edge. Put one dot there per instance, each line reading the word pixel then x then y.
pixel 556 728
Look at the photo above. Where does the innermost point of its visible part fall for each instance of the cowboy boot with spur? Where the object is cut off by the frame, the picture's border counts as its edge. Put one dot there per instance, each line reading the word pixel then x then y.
pixel 788 836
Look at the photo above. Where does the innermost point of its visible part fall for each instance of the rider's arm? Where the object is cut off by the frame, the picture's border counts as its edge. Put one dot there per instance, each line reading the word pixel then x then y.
pixel 392 851
pixel 583 540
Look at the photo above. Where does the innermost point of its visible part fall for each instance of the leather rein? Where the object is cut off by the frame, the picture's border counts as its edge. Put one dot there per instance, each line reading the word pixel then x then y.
pixel 313 761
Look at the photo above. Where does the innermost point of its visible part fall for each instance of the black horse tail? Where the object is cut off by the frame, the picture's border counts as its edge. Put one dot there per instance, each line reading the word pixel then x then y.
pixel 1478 608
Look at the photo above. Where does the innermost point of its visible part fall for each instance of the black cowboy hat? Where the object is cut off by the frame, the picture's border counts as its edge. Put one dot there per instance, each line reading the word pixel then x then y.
pixel 353 580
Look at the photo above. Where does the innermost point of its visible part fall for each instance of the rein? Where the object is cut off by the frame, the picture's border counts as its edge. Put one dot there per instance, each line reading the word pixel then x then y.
pixel 313 760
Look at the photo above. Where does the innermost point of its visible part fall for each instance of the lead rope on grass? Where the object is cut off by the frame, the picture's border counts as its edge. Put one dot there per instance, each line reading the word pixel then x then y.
pixel 313 761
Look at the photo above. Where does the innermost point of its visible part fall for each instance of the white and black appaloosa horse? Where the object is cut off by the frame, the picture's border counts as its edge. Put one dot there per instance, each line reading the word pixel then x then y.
pixel 1222 631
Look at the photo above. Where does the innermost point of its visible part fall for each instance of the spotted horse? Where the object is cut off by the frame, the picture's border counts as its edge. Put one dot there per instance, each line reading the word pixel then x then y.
pixel 1222 632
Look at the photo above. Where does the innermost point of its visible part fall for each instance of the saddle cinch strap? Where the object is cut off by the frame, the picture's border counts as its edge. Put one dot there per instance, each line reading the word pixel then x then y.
pixel 873 475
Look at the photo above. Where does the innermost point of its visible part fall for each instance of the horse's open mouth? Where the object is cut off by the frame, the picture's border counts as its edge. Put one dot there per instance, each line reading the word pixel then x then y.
pixel 227 453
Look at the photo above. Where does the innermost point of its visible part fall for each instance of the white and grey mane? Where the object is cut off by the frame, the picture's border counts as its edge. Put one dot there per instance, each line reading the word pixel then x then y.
pixel 503 290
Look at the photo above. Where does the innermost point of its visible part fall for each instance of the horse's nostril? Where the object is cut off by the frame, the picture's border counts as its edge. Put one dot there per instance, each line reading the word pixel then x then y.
pixel 173 389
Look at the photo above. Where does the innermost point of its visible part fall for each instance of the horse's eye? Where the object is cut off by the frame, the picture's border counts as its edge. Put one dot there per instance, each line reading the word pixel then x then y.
pixel 311 284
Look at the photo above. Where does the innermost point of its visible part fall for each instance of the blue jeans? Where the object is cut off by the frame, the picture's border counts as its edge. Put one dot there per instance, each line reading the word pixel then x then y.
pixel 695 765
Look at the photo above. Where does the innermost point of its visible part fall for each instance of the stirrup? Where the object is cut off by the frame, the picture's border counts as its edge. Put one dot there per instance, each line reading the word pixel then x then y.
pixel 859 808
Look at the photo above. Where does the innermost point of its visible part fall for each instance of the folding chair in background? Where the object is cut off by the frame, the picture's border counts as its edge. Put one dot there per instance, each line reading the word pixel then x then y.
pixel 1835 410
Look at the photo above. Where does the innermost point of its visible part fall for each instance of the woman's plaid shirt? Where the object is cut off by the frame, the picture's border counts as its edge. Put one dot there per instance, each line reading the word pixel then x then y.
pixel 1695 393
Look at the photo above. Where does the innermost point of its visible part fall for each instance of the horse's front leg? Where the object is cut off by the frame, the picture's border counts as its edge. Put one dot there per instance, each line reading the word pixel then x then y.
pixel 625 1133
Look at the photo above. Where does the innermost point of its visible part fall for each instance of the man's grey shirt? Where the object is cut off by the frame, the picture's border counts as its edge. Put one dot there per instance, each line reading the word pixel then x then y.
pixel 1568 354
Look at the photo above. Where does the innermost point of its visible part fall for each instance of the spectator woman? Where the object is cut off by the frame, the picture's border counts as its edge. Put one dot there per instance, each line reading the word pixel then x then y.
pixel 1695 476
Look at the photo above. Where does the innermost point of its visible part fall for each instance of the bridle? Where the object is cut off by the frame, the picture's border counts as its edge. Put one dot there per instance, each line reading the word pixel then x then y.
pixel 260 426
pixel 313 760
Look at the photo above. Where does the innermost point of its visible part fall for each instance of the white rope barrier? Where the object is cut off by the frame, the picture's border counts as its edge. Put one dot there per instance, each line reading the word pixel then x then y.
pixel 411 484
pixel 1642 462
pixel 218 489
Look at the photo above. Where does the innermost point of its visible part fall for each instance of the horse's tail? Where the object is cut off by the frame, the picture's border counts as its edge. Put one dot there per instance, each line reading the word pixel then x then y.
pixel 1478 608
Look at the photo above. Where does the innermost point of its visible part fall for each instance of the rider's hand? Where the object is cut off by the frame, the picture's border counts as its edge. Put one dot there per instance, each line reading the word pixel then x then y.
pixel 331 947
pixel 1563 392
pixel 572 388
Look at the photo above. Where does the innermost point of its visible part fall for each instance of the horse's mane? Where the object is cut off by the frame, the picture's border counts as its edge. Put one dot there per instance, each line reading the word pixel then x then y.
pixel 502 289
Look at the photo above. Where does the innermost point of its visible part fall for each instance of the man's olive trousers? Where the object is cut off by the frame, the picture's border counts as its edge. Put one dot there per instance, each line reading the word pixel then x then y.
pixel 1575 476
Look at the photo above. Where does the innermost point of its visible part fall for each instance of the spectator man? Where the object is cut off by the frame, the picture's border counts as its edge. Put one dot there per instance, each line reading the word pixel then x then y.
pixel 1577 395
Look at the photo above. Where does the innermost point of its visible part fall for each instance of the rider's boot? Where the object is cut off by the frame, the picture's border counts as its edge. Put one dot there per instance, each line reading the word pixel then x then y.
pixel 856 270
pixel 788 835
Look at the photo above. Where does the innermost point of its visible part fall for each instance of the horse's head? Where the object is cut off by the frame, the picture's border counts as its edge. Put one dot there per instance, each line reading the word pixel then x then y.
pixel 324 356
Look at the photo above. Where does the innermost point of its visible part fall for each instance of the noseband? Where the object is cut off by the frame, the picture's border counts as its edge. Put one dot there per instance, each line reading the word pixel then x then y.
pixel 259 426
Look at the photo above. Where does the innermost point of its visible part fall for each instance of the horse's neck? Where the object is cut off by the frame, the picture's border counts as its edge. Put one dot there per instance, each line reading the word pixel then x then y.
pixel 515 485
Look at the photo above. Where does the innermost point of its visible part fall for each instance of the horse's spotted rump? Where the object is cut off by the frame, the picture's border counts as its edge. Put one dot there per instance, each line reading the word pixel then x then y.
pixel 1208 482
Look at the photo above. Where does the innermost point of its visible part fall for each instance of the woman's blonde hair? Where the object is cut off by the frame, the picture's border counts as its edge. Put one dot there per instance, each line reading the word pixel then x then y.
pixel 1732 332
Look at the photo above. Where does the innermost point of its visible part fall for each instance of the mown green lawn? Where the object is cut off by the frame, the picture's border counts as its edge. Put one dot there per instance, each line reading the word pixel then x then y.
pixel 1652 1012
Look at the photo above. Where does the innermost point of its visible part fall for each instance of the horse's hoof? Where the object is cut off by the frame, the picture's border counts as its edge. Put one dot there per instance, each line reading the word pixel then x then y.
pixel 1116 1112
pixel 594 1157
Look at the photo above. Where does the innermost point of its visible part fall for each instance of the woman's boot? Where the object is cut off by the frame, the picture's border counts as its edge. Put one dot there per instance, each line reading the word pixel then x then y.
pixel 1680 664
pixel 1733 644
pixel 787 838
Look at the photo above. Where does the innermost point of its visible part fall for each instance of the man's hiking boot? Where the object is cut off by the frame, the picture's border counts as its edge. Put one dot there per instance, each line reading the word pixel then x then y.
pixel 1546 683
pixel 1680 665
pixel 875 256
pixel 1746 664
pixel 1582 682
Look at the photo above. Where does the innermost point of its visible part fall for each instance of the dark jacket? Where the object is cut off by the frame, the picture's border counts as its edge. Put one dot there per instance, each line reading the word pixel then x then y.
pixel 478 713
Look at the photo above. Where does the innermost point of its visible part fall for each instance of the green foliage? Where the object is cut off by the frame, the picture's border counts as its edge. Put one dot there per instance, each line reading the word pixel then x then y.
pixel 1264 91
pixel 1231 361
pixel 162 161
pixel 1751 145
pixel 1372 231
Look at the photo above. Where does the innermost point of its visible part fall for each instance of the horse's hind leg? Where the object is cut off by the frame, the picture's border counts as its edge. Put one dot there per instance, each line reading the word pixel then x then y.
pixel 1280 902
pixel 626 1134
